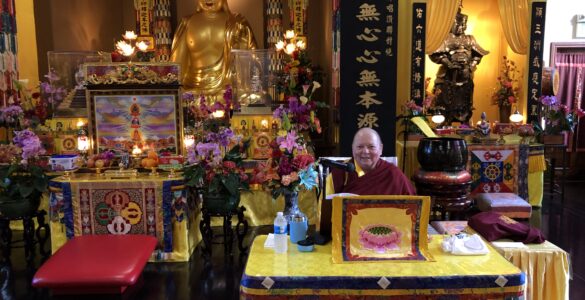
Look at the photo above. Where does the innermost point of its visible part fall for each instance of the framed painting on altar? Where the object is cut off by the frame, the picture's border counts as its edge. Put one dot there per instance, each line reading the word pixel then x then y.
pixel 380 228
pixel 148 119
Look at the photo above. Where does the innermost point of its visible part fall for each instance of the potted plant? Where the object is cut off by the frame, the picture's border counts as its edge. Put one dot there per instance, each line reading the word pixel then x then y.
pixel 214 167
pixel 558 119
pixel 22 179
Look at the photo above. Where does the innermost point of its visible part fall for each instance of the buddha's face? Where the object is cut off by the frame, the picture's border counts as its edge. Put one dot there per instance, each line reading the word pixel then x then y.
pixel 211 5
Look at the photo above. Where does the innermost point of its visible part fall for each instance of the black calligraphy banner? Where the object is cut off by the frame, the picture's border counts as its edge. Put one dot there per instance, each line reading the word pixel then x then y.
pixel 535 60
pixel 368 70
pixel 417 67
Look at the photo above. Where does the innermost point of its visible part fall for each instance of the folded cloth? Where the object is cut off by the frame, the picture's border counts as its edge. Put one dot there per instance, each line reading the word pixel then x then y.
pixel 462 244
pixel 494 226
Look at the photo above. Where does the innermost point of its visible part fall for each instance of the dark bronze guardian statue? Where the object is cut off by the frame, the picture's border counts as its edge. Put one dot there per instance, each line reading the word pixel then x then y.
pixel 459 56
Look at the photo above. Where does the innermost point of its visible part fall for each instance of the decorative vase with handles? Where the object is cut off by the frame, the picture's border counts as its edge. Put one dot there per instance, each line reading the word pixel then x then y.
pixel 221 203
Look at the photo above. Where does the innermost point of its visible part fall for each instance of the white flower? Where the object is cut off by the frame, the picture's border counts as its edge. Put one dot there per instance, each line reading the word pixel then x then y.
pixel 289 34
pixel 130 35
pixel 304 100
pixel 316 85
pixel 142 46
pixel 280 45
pixel 124 48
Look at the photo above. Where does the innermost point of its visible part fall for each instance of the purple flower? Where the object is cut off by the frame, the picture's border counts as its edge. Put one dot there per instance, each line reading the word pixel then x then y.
pixel 289 142
pixel 29 142
pixel 52 76
pixel 284 167
pixel 11 113
pixel 188 97
pixel 279 111
pixel 549 100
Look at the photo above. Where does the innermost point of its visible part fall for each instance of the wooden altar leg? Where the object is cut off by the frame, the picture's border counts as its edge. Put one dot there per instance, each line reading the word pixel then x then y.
pixel 5 238
pixel 206 233
pixel 228 234
pixel 42 238
pixel 29 239
pixel 241 232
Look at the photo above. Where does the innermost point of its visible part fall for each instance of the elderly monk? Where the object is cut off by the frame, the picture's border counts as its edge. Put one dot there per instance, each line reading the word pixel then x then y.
pixel 372 175
pixel 202 45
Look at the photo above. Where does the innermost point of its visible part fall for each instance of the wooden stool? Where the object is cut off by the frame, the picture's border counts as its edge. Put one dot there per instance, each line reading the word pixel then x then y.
pixel 96 264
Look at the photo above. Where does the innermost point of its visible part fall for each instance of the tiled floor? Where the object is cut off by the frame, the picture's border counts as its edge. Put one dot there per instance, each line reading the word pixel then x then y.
pixel 562 223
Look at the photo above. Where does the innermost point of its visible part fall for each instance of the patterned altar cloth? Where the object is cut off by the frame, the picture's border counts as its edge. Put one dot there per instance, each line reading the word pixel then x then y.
pixel 499 169
pixel 88 204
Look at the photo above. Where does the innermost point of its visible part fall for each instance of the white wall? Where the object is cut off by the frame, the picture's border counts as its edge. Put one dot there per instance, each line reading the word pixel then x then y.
pixel 560 20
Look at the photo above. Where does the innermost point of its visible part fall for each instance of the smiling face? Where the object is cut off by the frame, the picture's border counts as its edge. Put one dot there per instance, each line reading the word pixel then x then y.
pixel 212 5
pixel 367 148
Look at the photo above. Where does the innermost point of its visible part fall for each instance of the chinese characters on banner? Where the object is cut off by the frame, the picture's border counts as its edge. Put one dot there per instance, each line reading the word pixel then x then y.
pixel 535 60
pixel 143 9
pixel 368 68
pixel 298 15
pixel 417 81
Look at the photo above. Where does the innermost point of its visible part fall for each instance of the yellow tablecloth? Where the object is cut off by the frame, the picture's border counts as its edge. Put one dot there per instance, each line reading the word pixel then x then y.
pixel 546 267
pixel 536 167
pixel 297 274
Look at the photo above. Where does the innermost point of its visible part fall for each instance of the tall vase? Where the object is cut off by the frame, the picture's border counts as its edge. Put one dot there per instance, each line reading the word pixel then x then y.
pixel 505 111
pixel 291 206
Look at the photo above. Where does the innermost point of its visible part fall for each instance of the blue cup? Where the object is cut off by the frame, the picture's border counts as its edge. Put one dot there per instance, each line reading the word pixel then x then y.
pixel 298 229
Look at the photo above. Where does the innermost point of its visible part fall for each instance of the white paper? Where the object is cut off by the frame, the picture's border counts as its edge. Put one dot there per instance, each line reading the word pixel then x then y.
pixel 269 243
pixel 519 245
pixel 464 245
pixel 330 197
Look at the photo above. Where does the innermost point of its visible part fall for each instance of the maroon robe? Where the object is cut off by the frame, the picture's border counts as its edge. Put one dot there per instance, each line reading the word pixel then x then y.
pixel 384 179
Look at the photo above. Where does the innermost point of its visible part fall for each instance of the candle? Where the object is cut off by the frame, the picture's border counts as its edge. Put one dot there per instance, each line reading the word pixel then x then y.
pixel 136 151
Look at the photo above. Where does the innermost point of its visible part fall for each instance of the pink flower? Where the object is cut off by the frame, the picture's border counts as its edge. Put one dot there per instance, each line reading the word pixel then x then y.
pixel 286 180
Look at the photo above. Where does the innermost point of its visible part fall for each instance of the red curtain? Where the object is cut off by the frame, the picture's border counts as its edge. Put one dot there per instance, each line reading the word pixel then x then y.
pixel 571 69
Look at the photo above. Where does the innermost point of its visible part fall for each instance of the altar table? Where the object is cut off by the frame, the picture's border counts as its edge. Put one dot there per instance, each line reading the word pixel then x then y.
pixel 301 274
pixel 547 269
pixel 528 182
pixel 153 205
pixel 167 215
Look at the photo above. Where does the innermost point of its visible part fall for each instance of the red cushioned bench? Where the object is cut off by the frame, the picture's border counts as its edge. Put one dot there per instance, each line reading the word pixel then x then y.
pixel 96 264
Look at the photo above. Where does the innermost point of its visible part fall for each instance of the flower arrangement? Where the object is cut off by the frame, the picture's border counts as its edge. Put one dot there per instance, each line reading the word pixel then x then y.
pixel 22 177
pixel 212 167
pixel 298 82
pixel 32 108
pixel 557 116
pixel 125 50
pixel 506 93
pixel 290 168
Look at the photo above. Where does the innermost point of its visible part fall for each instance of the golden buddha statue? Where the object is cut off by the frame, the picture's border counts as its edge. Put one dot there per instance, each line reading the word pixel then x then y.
pixel 202 45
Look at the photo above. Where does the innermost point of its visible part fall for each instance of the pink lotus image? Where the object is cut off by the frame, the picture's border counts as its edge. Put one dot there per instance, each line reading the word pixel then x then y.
pixel 380 238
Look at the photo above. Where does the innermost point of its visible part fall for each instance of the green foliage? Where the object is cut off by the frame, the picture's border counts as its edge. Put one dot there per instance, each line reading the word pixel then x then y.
pixel 227 176
pixel 19 182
